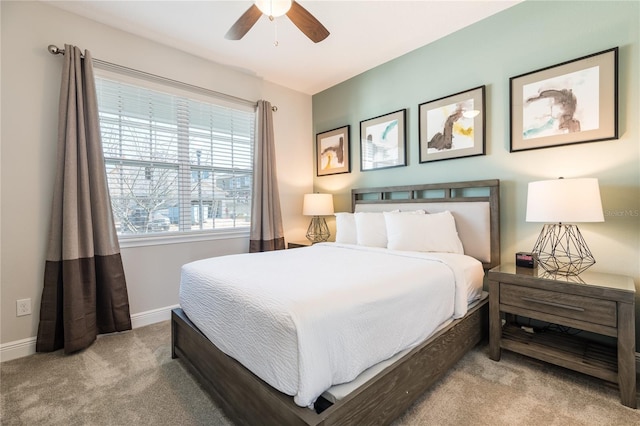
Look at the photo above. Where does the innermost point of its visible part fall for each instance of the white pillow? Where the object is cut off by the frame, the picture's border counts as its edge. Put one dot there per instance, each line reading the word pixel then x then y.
pixel 371 230
pixel 346 228
pixel 426 233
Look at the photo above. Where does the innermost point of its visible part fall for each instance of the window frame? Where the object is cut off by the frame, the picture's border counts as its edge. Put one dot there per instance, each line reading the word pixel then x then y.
pixel 152 82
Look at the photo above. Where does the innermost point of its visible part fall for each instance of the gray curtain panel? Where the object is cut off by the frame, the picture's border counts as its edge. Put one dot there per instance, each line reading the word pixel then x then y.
pixel 85 292
pixel 266 217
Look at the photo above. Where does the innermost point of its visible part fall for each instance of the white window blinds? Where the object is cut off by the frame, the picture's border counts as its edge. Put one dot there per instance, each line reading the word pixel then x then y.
pixel 176 161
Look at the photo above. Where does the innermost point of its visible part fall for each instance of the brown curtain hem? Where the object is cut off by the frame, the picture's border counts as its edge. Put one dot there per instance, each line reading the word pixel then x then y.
pixel 93 300
pixel 266 245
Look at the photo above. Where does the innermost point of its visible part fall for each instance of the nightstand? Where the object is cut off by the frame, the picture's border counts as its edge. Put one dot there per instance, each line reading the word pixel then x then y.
pixel 298 244
pixel 595 302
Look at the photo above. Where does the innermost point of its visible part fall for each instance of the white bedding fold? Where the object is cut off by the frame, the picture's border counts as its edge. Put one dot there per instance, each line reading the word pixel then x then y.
pixel 305 319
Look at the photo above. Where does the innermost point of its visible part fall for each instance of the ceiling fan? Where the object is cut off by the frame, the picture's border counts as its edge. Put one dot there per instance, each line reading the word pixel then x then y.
pixel 301 18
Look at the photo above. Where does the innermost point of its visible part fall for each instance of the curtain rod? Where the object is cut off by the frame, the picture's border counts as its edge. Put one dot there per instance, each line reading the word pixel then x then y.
pixel 55 50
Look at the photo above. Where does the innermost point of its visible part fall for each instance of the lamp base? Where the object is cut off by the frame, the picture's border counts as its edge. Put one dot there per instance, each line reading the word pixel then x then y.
pixel 318 230
pixel 562 250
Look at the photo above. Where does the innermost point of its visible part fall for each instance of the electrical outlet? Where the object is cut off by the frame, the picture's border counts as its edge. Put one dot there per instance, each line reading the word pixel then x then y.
pixel 23 307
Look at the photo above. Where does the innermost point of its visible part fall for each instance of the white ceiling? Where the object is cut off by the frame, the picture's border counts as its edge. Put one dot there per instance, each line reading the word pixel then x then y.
pixel 364 34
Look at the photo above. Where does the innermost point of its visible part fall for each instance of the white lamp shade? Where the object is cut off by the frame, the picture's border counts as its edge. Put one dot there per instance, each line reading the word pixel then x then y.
pixel 274 8
pixel 564 201
pixel 317 205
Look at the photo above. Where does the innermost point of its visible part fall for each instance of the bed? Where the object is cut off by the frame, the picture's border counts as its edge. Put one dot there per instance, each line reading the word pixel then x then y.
pixel 383 391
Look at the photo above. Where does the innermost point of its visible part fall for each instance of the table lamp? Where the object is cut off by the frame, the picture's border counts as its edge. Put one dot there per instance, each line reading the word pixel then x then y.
pixel 561 203
pixel 317 205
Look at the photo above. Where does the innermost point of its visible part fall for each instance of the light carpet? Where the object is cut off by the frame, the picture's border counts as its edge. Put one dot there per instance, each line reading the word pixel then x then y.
pixel 130 379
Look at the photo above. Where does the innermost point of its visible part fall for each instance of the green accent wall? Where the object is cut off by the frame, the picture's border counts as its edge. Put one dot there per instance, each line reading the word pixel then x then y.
pixel 524 38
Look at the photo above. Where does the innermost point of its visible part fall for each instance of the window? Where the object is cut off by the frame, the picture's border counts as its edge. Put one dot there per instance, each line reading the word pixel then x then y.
pixel 177 161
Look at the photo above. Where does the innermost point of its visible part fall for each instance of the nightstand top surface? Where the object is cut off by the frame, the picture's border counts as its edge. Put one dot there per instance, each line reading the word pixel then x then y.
pixel 588 278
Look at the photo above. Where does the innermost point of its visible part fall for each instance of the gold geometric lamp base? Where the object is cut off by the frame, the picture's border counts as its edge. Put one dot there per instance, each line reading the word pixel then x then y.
pixel 562 250
pixel 318 230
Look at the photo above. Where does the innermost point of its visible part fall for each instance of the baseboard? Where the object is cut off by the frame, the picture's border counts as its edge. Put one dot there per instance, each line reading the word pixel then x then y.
pixel 152 317
pixel 25 347
pixel 17 349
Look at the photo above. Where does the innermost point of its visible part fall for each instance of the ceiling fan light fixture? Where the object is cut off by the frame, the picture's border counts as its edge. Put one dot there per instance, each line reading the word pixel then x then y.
pixel 274 8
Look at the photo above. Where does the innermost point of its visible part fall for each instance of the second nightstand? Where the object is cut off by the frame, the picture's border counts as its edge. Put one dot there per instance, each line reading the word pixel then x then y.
pixel 595 302
pixel 298 244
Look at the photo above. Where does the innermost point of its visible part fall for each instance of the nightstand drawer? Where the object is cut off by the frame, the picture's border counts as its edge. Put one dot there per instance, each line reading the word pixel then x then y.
pixel 596 311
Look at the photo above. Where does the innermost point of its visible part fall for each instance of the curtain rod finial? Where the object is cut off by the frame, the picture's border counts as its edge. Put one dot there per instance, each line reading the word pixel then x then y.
pixel 54 50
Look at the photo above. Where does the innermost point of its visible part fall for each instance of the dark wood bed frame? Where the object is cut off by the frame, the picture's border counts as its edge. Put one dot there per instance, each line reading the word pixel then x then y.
pixel 248 400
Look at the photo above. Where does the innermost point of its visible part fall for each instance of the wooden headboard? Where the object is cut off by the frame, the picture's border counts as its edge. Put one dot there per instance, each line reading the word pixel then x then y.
pixel 475 206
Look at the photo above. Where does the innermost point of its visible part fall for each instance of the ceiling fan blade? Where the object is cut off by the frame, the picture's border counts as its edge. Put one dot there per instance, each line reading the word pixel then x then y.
pixel 244 23
pixel 306 23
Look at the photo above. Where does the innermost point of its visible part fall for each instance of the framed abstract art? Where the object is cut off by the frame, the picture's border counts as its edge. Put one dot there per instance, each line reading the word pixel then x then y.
pixel 572 102
pixel 332 152
pixel 453 126
pixel 383 141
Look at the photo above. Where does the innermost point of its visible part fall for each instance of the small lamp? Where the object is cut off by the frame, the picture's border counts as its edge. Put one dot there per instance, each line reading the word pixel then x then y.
pixel 317 205
pixel 560 247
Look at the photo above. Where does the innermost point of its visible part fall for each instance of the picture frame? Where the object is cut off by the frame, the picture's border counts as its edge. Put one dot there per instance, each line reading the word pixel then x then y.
pixel 452 126
pixel 333 151
pixel 568 103
pixel 383 141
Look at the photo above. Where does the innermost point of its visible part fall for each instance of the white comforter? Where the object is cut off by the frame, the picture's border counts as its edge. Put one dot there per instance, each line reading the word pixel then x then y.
pixel 305 319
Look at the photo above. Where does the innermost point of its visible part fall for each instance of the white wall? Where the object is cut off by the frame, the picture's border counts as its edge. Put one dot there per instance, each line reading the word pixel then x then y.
pixel 30 84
